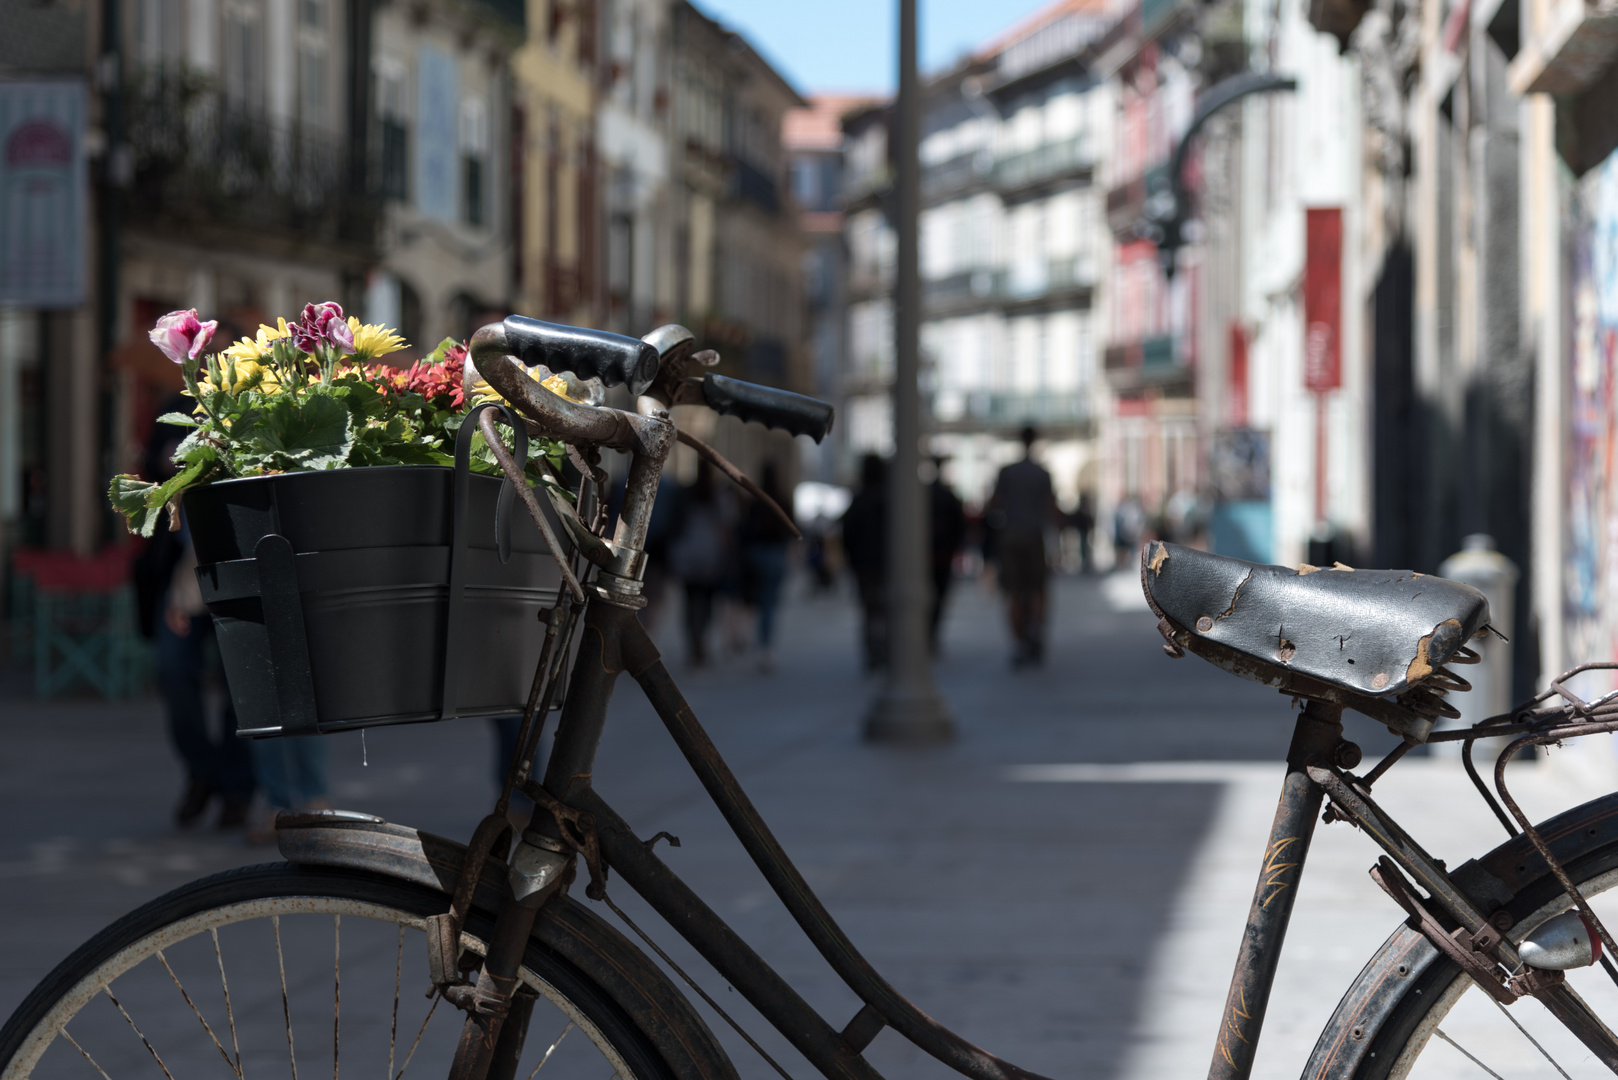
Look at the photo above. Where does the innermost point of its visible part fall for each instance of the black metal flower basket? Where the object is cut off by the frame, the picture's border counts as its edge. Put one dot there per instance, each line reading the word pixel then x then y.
pixel 363 597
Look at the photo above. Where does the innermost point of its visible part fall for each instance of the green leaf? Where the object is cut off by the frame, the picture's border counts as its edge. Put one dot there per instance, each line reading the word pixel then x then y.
pixel 177 419
pixel 316 433
pixel 129 495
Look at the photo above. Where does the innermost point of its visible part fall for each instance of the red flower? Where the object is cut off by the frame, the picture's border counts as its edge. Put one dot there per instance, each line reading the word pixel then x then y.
pixel 440 384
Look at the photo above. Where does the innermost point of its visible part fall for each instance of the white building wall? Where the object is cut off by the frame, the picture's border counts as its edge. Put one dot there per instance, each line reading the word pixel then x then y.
pixel 1300 151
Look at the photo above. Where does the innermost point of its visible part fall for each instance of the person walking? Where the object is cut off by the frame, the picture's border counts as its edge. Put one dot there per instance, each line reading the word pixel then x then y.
pixel 764 551
pixel 865 545
pixel 700 555
pixel 1024 504
pixel 173 615
pixel 948 519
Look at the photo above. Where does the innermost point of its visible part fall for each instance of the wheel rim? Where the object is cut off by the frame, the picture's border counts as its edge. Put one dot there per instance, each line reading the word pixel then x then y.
pixel 1439 1044
pixel 322 955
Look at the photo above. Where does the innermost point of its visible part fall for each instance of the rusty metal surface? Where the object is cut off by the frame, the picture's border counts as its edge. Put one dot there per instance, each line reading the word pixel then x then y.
pixel 1561 999
pixel 1507 882
pixel 1314 739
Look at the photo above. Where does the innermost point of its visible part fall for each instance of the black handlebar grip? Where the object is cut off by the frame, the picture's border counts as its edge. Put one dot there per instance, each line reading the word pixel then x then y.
pixel 771 407
pixel 590 354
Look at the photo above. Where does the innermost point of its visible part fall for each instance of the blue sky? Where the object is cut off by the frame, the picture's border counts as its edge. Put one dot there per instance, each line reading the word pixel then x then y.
pixel 849 44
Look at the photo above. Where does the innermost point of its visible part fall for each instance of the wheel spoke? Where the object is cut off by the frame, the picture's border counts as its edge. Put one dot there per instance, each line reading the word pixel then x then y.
pixel 230 1013
pixel 286 1005
pixel 417 1042
pixel 131 1020
pixel 75 1044
pixel 1440 1033
pixel 197 1013
pixel 398 969
pixel 552 1049
pixel 1530 1038
pixel 336 990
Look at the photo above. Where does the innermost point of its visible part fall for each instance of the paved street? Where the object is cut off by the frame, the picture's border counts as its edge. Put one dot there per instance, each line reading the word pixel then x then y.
pixel 1080 921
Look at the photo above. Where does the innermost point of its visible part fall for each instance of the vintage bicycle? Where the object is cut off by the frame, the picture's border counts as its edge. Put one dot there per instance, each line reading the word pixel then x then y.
pixel 375 943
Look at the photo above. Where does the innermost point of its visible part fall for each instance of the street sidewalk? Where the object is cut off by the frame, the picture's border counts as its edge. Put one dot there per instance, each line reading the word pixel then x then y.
pixel 1080 921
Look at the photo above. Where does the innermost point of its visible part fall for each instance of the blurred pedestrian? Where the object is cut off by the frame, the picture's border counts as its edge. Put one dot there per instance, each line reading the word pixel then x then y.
pixel 173 615
pixel 1084 523
pixel 865 544
pixel 292 772
pixel 700 555
pixel 948 519
pixel 1024 502
pixel 764 551
pixel 1128 530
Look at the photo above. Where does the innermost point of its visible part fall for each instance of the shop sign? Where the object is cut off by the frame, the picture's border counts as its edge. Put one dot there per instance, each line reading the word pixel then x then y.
pixel 1323 299
pixel 43 202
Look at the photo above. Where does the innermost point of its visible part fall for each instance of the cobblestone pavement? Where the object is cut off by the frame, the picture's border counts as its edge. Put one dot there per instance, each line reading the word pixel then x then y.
pixel 1079 918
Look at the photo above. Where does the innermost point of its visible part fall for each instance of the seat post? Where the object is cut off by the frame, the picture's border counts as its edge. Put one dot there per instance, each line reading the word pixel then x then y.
pixel 1315 739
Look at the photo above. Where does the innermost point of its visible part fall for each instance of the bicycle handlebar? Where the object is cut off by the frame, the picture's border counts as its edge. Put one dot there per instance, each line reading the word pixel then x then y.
pixel 590 354
pixel 768 406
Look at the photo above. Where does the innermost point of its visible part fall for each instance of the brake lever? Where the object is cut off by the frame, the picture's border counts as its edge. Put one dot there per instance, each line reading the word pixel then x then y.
pixel 739 478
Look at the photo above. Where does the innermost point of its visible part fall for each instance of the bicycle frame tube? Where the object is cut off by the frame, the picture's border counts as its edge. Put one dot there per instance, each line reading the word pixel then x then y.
pixel 1318 731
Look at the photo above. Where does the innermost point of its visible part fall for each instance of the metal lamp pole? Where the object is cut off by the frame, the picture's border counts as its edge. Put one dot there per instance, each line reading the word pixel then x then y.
pixel 908 710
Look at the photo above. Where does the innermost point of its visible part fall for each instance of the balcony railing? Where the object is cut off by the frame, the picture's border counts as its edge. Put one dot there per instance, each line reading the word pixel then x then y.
pixel 1027 282
pixel 957 175
pixel 199 160
pixel 1007 410
pixel 1048 161
pixel 1153 359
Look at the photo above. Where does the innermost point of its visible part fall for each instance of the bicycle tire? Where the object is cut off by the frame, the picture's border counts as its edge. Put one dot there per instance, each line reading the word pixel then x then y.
pixel 187 928
pixel 1391 1017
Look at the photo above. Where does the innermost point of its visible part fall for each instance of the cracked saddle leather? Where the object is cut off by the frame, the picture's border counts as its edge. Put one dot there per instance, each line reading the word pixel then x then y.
pixel 1376 633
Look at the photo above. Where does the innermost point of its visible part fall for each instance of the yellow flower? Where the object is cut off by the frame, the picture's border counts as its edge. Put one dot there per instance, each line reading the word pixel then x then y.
pixel 247 374
pixel 481 391
pixel 372 341
pixel 258 348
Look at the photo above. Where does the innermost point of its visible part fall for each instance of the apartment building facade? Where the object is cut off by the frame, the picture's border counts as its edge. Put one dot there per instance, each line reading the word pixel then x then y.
pixel 1013 246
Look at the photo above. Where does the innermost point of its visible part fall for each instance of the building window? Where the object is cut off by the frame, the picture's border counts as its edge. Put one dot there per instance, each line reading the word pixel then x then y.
pixel 474 161
pixel 314 96
pixel 393 112
pixel 243 55
pixel 474 190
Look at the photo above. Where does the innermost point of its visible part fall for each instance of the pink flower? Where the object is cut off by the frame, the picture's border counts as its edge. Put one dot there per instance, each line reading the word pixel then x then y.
pixel 181 335
pixel 322 324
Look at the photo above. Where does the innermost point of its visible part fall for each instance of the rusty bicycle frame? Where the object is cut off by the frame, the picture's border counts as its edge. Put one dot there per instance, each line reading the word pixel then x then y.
pixel 573 822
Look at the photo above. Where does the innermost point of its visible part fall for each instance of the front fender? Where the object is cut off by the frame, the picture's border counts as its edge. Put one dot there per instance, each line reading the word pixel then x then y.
pixel 363 842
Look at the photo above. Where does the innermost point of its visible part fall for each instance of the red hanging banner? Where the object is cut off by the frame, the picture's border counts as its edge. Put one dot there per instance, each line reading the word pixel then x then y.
pixel 1323 299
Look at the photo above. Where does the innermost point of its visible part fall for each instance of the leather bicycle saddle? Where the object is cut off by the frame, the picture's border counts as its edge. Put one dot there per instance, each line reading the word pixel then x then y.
pixel 1374 640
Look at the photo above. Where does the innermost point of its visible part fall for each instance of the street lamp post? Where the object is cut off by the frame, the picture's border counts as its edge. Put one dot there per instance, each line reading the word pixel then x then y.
pixel 908 710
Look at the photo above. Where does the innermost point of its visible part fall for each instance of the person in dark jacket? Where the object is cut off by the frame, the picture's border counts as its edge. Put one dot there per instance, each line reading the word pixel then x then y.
pixel 764 552
pixel 173 616
pixel 948 518
pixel 701 553
pixel 1024 507
pixel 865 543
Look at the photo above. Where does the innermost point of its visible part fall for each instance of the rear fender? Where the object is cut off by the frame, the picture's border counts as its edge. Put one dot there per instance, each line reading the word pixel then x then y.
pixel 1359 1040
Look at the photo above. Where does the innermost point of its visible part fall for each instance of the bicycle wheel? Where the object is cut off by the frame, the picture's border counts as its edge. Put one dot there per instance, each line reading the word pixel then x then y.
pixel 285 970
pixel 1413 1015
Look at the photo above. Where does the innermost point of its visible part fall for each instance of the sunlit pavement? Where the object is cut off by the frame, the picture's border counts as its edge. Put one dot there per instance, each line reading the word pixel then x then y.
pixel 1078 921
